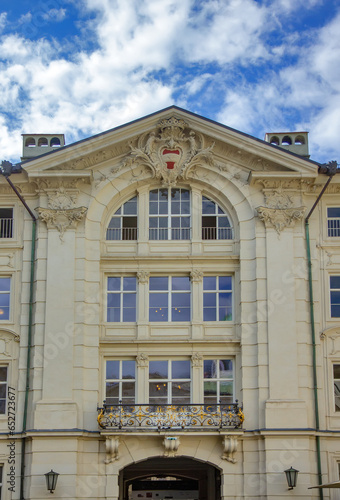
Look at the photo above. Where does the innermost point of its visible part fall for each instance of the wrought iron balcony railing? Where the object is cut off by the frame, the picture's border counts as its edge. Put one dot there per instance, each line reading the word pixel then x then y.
pixel 163 417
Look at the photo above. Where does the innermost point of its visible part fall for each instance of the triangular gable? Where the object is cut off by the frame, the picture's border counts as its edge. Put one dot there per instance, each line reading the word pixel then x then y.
pixel 201 140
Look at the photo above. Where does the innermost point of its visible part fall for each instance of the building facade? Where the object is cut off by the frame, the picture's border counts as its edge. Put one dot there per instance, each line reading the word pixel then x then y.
pixel 162 334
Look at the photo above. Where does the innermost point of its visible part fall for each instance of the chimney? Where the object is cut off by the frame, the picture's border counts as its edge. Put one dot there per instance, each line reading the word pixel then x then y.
pixel 34 145
pixel 295 142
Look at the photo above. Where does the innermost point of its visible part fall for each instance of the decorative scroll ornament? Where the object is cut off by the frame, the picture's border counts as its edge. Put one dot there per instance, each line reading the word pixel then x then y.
pixel 229 444
pixel 61 200
pixel 142 360
pixel 61 219
pixel 111 445
pixel 171 152
pixel 171 445
pixel 280 218
pixel 197 360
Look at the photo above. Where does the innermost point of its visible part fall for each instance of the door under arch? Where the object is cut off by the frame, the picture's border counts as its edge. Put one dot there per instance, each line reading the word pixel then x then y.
pixel 176 478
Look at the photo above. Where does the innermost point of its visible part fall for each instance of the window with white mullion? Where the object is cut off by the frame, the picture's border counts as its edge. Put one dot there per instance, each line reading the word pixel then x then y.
pixel 120 382
pixel 217 298
pixel 218 381
pixel 169 382
pixel 335 296
pixel 215 222
pixel 121 299
pixel 169 298
pixel 169 214
pixel 5 293
pixel 333 221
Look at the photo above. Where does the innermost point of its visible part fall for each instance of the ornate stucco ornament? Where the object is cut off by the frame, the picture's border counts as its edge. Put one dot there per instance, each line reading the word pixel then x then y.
pixel 111 447
pixel 170 152
pixel 229 444
pixel 171 445
pixel 279 212
pixel 61 219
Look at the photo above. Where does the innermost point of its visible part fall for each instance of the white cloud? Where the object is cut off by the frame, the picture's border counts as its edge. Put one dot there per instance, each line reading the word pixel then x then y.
pixel 3 19
pixel 88 92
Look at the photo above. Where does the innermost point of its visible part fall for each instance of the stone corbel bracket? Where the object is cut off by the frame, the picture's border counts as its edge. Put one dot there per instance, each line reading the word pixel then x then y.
pixel 280 218
pixel 111 445
pixel 229 444
pixel 171 444
pixel 61 219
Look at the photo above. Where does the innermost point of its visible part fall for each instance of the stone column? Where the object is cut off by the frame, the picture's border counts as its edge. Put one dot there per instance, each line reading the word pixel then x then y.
pixel 57 408
pixel 196 277
pixel 283 408
pixel 143 305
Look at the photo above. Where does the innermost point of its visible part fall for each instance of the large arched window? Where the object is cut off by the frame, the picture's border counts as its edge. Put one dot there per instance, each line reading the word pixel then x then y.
pixel 123 225
pixel 215 222
pixel 169 214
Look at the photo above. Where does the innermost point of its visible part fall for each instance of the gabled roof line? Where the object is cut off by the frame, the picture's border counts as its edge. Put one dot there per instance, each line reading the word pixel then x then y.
pixel 169 108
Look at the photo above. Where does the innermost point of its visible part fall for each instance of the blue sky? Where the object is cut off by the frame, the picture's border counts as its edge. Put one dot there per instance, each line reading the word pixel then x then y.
pixel 81 67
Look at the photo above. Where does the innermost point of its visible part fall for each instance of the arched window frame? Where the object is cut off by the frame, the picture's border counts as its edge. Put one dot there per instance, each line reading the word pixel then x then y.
pixel 216 223
pixel 124 222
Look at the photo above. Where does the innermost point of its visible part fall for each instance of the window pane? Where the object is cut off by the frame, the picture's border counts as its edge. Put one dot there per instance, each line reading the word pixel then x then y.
pixel 335 281
pixel 129 300
pixel 209 299
pixel 153 195
pixel 181 369
pixel 113 284
pixel 112 389
pixel 210 389
pixel 181 314
pixel 181 283
pixel 5 284
pixel 158 314
pixel 335 311
pixel 336 371
pixel 226 389
pixel 163 208
pixel 163 195
pixel 115 223
pixel 209 283
pixel 158 369
pixel 113 299
pixel 129 315
pixel 3 373
pixel 333 212
pixel 128 368
pixel 185 194
pixel 181 392
pixel 112 369
pixel 130 207
pixel 209 368
pixel 158 283
pixel 181 300
pixel 225 282
pixel 4 300
pixel 3 391
pixel 158 390
pixel 208 206
pixel 226 368
pixel 129 284
pixel 153 207
pixel 185 208
pixel 175 207
pixel 209 314
pixel 113 315
pixel 128 389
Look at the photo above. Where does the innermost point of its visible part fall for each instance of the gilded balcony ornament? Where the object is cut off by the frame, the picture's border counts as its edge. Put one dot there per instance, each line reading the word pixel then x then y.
pixel 170 151
pixel 170 416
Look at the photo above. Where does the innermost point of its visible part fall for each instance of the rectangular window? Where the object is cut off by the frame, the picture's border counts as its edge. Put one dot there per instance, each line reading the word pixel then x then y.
pixel 120 382
pixel 1 479
pixel 217 298
pixel 169 214
pixel 5 290
pixel 169 382
pixel 218 381
pixel 3 390
pixel 335 296
pixel 333 221
pixel 169 298
pixel 336 379
pixel 121 299
pixel 6 222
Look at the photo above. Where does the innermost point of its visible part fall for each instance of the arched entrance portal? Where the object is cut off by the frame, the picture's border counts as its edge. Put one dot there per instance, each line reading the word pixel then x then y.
pixel 178 478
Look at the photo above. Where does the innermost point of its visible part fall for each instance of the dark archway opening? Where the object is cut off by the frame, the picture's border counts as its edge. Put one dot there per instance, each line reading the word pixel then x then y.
pixel 178 478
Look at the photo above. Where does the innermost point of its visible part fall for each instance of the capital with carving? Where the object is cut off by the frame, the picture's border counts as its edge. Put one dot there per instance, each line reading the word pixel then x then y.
pixel 143 277
pixel 280 218
pixel 197 360
pixel 196 275
pixel 142 360
pixel 61 219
